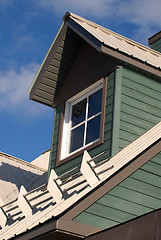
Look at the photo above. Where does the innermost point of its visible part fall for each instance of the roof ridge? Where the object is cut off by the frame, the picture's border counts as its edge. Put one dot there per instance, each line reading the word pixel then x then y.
pixel 22 161
pixel 146 48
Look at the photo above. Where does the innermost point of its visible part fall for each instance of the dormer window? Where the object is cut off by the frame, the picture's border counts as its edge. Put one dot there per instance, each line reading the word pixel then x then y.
pixel 82 120
pixel 85 120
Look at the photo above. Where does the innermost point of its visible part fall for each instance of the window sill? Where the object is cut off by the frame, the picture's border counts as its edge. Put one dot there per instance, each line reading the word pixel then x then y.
pixel 78 153
pixel 89 147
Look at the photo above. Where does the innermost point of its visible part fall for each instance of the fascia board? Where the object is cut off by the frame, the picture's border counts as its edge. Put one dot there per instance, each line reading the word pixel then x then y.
pixel 20 161
pixel 129 160
pixel 47 59
pixel 39 231
pixel 85 34
pixel 79 229
pixel 107 185
pixel 115 53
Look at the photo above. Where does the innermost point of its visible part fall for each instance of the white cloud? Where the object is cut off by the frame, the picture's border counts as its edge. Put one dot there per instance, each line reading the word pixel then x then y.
pixel 144 14
pixel 136 11
pixel 141 12
pixel 95 8
pixel 14 85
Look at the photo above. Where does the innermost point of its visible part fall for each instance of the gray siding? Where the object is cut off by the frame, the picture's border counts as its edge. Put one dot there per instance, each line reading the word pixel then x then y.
pixel 140 106
pixel 138 194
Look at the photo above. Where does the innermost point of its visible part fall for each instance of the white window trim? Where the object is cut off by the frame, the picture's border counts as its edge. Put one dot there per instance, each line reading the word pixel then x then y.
pixel 67 118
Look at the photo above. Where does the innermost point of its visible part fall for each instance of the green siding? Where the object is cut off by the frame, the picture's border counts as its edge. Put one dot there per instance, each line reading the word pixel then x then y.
pixel 138 194
pixel 55 133
pixel 106 146
pixel 133 106
pixel 116 112
pixel 140 106
pixel 156 45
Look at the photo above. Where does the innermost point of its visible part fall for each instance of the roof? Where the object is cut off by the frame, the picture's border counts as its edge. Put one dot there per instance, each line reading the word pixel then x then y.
pixel 15 172
pixel 74 31
pixel 63 197
pixel 42 161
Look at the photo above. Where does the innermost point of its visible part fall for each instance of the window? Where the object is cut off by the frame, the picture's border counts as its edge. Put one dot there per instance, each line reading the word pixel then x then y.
pixel 82 120
pixel 85 121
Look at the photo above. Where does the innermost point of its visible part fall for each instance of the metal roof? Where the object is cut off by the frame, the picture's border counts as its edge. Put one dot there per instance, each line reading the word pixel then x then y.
pixel 15 172
pixel 74 31
pixel 49 201
pixel 42 161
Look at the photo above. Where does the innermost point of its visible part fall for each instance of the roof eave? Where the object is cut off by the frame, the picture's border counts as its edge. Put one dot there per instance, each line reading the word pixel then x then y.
pixel 70 20
pixel 46 60
pixel 131 158
pixel 59 229
pixel 64 223
pixel 131 60
pixel 84 34
pixel 111 182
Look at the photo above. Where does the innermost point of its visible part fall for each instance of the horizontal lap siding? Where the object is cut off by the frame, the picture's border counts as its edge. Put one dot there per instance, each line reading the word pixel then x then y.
pixel 138 194
pixel 156 45
pixel 140 106
pixel 106 146
pixel 95 220
pixel 55 135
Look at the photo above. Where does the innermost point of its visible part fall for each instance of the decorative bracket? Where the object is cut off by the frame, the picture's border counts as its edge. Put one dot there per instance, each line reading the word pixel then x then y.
pixel 3 218
pixel 23 203
pixel 53 186
pixel 86 169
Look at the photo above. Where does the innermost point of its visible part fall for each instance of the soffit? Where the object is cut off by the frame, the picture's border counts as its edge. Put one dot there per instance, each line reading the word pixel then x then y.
pixel 79 189
pixel 118 42
pixel 144 227
pixel 73 32
pixel 56 66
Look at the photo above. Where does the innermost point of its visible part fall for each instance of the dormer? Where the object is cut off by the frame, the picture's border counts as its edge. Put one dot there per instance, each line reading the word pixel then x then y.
pixel 105 90
pixel 105 158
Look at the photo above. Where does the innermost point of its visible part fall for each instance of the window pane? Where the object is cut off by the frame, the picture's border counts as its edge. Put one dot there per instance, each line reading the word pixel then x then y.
pixel 79 112
pixel 95 103
pixel 77 136
pixel 93 129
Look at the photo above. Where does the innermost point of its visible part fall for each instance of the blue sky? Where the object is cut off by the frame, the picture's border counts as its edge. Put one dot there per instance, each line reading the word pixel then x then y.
pixel 27 29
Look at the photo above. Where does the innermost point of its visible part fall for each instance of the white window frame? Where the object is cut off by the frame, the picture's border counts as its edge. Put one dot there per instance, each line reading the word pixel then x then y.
pixel 65 145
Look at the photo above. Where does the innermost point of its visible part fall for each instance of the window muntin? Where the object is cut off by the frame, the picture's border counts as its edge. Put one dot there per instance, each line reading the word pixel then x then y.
pixel 85 120
pixel 95 103
pixel 77 136
pixel 66 152
pixel 93 132
pixel 79 112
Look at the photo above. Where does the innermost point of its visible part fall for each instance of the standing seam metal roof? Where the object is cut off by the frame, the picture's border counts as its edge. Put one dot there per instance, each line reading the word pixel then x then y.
pixel 60 56
pixel 119 42
pixel 15 172
pixel 47 207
